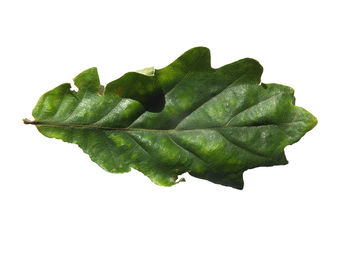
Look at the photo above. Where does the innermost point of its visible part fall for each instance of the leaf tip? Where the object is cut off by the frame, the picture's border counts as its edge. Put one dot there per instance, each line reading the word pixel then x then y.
pixel 313 122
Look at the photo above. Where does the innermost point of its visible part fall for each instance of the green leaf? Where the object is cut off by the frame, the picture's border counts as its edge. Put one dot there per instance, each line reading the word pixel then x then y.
pixel 187 117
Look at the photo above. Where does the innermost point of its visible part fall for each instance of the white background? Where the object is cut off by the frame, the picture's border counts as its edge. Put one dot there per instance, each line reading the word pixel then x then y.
pixel 58 206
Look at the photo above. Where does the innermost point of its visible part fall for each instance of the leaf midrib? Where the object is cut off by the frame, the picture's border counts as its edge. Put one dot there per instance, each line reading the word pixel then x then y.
pixel 88 126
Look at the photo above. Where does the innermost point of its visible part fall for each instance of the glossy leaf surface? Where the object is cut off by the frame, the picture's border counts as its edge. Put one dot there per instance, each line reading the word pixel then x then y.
pixel 186 117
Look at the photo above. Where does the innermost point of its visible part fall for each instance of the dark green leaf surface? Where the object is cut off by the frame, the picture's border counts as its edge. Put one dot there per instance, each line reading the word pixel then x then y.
pixel 186 117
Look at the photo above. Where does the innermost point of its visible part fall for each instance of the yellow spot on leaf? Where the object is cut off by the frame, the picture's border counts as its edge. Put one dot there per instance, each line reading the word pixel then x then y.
pixel 119 90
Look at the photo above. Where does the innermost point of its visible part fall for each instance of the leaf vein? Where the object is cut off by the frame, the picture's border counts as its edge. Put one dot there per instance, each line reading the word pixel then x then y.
pixel 189 151
pixel 59 106
pixel 207 101
pixel 251 106
pixel 239 145
pixel 140 146
pixel 76 106
pixel 107 113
